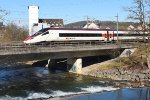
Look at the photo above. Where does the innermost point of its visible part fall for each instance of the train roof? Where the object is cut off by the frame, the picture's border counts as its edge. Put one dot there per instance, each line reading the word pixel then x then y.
pixel 84 29
pixel 74 29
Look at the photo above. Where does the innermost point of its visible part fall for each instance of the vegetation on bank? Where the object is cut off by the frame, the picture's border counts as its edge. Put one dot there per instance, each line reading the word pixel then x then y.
pixel 12 32
pixel 138 60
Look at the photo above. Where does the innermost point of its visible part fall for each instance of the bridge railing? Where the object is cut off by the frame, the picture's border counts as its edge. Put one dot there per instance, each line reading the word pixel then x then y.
pixel 20 46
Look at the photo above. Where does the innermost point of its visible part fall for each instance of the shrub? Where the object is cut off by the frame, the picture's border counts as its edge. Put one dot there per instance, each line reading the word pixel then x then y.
pixel 13 32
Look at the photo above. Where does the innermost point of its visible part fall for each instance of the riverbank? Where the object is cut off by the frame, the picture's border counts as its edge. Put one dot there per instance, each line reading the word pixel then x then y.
pixel 121 68
pixel 120 74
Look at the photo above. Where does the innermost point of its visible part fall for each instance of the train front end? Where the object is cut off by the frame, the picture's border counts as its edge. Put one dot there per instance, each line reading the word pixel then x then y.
pixel 29 40
pixel 38 37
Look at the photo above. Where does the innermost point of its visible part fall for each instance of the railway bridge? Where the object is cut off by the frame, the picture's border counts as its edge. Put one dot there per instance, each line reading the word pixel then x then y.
pixel 72 52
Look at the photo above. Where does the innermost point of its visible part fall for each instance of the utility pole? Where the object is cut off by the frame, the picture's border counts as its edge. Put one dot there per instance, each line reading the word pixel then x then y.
pixel 87 20
pixel 148 56
pixel 117 27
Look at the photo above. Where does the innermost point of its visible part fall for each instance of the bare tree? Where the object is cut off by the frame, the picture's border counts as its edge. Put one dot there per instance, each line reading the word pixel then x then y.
pixel 14 33
pixel 3 13
pixel 139 13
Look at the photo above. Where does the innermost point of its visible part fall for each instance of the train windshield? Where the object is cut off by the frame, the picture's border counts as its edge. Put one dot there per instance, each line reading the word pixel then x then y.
pixel 41 31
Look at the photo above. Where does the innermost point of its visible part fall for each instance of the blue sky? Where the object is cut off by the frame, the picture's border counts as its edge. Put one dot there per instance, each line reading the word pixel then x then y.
pixel 69 10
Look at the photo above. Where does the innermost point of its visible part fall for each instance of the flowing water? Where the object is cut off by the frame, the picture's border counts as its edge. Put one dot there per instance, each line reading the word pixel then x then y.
pixel 21 83
pixel 121 94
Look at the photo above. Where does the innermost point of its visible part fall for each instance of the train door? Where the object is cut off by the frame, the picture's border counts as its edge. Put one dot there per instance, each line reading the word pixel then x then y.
pixel 107 35
pixel 111 35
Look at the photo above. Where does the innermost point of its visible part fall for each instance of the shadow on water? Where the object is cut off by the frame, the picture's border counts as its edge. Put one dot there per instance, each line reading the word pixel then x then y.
pixel 61 64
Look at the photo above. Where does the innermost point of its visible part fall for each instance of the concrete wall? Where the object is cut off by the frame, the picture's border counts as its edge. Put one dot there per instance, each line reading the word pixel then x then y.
pixel 74 65
pixel 53 55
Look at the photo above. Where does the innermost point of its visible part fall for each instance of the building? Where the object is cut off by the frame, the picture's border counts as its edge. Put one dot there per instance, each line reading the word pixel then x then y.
pixel 91 25
pixel 53 22
pixel 130 27
pixel 45 23
pixel 36 24
pixel 104 25
pixel 33 18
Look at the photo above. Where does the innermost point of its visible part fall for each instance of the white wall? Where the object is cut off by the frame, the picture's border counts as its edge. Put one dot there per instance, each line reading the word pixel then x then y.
pixel 91 26
pixel 39 27
pixel 33 17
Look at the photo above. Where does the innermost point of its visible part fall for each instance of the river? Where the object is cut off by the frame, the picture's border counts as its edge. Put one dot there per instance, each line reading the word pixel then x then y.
pixel 26 82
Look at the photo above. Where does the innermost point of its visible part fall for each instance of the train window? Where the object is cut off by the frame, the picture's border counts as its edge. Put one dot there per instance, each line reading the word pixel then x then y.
pixel 45 33
pixel 125 34
pixel 41 31
pixel 80 34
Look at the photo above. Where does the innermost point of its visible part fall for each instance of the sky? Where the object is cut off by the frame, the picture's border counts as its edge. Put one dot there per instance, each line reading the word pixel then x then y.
pixel 68 10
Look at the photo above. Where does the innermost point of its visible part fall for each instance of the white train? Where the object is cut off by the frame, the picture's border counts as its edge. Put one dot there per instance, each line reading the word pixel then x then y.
pixel 63 34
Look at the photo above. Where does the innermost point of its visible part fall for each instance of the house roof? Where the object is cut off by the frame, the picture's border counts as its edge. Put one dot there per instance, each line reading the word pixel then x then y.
pixel 103 24
pixel 91 25
pixel 52 22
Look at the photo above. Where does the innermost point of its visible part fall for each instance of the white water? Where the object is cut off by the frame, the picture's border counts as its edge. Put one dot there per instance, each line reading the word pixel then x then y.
pixel 94 89
pixel 89 89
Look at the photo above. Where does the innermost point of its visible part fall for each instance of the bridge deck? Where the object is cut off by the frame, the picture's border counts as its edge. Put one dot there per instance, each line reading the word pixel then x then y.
pixel 13 50
pixel 19 53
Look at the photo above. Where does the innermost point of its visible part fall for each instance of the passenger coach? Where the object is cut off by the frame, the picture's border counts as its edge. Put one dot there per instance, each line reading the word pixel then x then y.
pixel 63 34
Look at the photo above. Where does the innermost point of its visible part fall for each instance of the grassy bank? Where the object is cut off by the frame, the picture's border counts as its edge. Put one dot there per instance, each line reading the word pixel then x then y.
pixel 132 67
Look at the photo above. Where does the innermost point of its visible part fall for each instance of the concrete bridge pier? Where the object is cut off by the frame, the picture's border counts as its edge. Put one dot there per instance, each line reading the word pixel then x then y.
pixel 51 63
pixel 74 65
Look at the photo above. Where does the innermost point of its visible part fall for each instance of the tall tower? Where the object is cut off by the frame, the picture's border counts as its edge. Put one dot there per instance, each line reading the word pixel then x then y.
pixel 33 17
